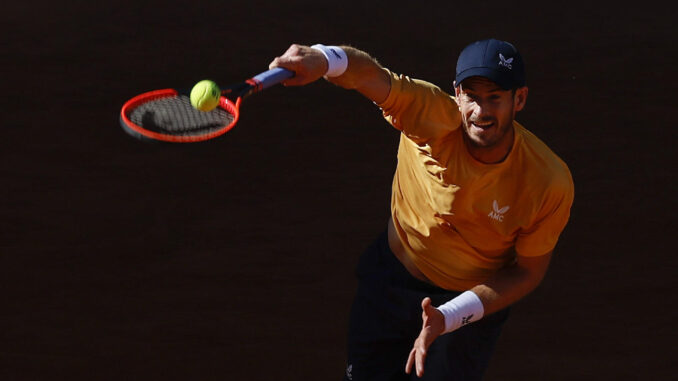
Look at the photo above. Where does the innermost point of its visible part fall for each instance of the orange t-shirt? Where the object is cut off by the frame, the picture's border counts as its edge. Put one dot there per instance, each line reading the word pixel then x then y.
pixel 458 218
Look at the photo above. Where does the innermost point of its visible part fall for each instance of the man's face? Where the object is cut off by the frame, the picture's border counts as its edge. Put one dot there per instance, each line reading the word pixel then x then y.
pixel 487 111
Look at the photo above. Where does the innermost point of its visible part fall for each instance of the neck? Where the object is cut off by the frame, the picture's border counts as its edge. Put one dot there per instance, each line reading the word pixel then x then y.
pixel 493 154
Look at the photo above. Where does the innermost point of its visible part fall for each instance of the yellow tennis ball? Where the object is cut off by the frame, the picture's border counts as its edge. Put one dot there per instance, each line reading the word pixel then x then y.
pixel 205 95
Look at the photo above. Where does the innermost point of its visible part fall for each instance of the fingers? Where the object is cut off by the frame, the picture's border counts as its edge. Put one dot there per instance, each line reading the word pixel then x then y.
pixel 428 310
pixel 426 306
pixel 410 361
pixel 420 360
pixel 434 321
pixel 275 63
pixel 286 64
pixel 287 60
pixel 308 64
pixel 416 358
pixel 432 326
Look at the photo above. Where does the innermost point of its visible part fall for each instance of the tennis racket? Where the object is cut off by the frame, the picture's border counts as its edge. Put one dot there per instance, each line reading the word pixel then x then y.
pixel 167 115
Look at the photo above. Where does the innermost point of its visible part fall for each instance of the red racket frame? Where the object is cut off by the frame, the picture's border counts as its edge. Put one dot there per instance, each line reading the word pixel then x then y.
pixel 225 103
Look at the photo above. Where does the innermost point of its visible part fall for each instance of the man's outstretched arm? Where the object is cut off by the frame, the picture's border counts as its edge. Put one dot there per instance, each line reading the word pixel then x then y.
pixel 363 74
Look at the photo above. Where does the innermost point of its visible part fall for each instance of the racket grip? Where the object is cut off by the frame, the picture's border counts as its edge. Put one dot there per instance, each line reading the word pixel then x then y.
pixel 272 77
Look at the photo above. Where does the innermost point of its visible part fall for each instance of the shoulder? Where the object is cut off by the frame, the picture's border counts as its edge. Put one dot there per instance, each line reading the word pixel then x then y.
pixel 420 107
pixel 405 88
pixel 543 165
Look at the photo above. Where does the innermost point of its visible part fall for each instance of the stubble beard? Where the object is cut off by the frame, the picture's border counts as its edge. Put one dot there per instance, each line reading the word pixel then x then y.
pixel 500 132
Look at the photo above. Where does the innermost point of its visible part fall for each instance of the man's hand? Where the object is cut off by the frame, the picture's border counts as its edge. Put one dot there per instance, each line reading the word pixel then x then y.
pixel 307 64
pixel 432 326
pixel 363 74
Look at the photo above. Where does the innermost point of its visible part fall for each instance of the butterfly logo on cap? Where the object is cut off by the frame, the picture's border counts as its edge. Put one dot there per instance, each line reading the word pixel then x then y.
pixel 505 62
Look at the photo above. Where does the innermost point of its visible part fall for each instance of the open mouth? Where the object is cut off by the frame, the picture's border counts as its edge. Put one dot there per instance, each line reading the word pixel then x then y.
pixel 482 125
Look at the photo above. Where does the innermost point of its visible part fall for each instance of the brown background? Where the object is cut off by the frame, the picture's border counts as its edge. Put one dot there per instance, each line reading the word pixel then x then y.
pixel 233 259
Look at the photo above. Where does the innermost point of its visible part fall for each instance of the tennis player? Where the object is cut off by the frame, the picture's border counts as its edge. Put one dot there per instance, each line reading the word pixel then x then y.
pixel 478 203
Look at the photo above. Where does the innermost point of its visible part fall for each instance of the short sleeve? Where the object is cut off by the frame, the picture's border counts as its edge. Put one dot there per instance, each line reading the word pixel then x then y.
pixel 542 236
pixel 419 109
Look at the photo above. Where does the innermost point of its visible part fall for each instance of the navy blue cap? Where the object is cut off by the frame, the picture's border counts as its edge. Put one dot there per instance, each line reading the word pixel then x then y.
pixel 496 60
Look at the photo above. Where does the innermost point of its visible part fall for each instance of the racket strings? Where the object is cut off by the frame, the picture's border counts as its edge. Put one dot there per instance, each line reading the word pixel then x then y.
pixel 175 116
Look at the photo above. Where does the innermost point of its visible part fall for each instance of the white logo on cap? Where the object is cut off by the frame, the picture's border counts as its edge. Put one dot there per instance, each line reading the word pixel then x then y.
pixel 506 62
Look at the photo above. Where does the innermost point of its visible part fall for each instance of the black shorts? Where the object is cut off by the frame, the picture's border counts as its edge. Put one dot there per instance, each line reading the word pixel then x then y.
pixel 386 319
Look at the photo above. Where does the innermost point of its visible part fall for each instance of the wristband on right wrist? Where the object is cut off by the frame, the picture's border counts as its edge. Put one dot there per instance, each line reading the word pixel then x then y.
pixel 337 60
pixel 464 309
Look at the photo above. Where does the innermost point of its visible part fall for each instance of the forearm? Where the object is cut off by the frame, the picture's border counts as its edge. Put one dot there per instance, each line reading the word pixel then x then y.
pixel 365 75
pixel 508 286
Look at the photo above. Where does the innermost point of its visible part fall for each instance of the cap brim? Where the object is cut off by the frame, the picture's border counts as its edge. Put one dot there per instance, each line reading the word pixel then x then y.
pixel 484 72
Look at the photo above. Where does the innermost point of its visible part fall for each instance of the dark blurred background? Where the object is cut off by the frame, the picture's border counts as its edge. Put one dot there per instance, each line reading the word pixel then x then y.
pixel 233 259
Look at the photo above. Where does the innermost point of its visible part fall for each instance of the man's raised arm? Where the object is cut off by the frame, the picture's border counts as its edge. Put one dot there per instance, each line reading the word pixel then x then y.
pixel 363 73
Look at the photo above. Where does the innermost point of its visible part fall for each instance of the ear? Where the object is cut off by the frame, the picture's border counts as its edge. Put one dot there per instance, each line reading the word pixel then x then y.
pixel 457 91
pixel 520 98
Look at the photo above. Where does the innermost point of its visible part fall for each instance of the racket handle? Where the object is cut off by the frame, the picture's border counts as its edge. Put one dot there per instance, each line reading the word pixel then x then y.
pixel 272 77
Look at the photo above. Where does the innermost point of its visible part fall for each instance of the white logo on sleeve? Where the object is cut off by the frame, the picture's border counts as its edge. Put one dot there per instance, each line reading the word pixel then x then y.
pixel 497 213
pixel 505 62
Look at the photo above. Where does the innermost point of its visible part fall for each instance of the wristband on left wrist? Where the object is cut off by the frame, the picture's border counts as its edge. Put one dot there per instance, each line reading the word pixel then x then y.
pixel 464 309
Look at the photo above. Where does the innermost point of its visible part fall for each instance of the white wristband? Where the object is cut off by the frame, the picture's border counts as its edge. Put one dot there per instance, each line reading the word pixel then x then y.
pixel 337 60
pixel 464 309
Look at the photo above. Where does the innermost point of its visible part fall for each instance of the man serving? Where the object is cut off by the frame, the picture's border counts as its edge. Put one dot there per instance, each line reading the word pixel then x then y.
pixel 478 203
